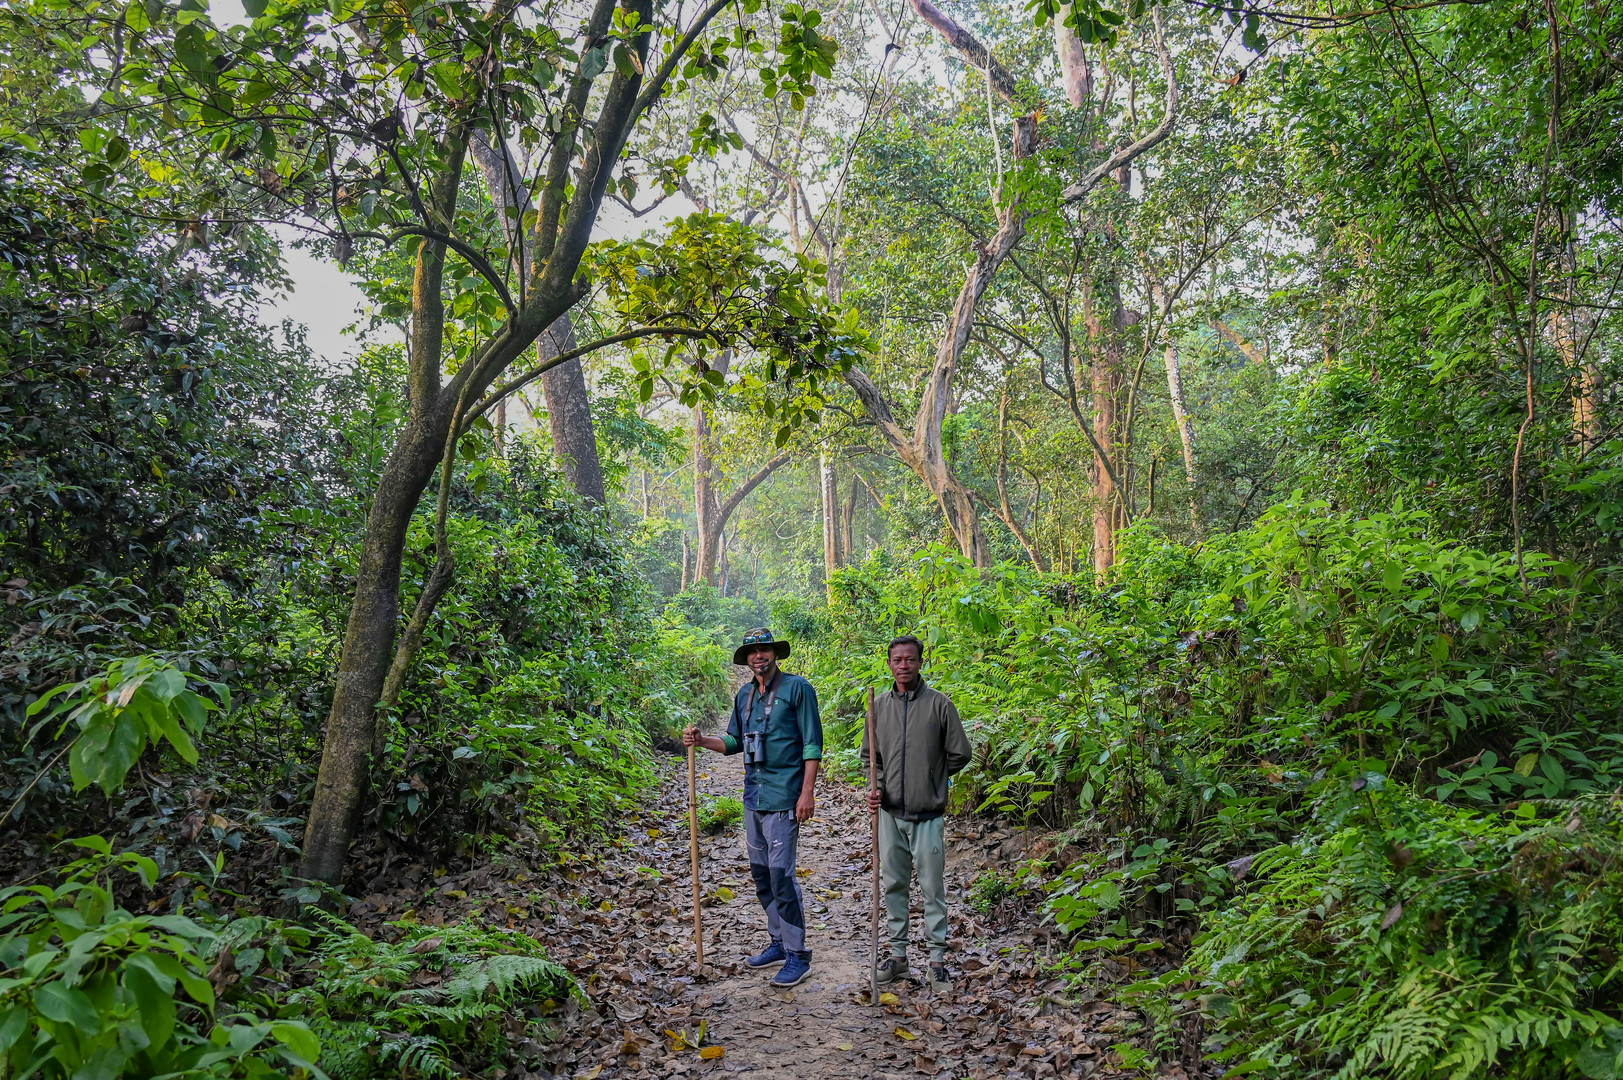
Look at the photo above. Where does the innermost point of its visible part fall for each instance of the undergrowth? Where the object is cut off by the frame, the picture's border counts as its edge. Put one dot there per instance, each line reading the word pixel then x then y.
pixel 1333 790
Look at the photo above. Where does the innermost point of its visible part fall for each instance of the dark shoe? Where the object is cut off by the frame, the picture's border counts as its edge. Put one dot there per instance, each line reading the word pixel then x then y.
pixel 940 981
pixel 774 955
pixel 796 970
pixel 892 969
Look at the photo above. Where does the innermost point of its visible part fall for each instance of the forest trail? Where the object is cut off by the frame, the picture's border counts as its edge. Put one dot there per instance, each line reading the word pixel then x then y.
pixel 628 935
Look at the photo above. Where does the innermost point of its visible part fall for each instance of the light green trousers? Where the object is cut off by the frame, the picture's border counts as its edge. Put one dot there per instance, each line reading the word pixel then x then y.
pixel 906 846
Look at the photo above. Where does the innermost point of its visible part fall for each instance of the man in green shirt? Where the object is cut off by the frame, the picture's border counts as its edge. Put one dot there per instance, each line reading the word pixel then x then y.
pixel 919 744
pixel 776 726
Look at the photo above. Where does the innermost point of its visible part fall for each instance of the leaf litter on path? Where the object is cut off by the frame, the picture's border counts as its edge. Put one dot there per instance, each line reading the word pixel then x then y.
pixel 620 917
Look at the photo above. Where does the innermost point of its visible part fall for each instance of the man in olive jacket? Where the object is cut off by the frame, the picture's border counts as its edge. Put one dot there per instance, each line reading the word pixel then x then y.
pixel 919 743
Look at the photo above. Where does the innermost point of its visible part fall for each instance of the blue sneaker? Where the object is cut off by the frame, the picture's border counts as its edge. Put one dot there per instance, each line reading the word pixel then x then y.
pixel 774 955
pixel 796 970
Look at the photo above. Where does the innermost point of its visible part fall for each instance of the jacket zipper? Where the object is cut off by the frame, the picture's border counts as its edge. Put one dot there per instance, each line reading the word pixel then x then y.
pixel 906 701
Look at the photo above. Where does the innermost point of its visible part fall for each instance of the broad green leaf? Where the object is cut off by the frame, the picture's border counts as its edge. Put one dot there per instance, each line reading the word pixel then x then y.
pixel 67 1005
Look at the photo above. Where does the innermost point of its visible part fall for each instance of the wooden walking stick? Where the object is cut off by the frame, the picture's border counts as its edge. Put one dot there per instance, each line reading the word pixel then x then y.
pixel 693 850
pixel 873 785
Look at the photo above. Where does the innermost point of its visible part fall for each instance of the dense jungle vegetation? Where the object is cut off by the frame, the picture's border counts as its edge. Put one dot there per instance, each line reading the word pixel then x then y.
pixel 1223 392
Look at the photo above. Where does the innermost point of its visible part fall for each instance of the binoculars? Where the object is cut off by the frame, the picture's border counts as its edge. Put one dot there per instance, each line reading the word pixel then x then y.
pixel 754 747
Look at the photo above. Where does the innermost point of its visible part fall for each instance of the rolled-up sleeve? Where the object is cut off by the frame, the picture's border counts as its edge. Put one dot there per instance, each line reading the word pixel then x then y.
pixel 733 741
pixel 811 723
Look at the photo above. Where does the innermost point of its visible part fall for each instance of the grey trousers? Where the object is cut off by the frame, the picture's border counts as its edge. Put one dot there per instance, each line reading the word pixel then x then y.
pixel 770 838
pixel 906 846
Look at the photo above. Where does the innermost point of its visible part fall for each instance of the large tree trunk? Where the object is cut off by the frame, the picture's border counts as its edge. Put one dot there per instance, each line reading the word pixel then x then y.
pixel 369 639
pixel 569 413
pixel 1073 61
pixel 569 406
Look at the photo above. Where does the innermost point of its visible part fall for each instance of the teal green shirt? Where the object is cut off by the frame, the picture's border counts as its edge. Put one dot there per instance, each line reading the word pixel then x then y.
pixel 794 736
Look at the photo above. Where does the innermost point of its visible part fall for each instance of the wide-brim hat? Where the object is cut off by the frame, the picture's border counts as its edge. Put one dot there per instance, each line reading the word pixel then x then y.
pixel 754 639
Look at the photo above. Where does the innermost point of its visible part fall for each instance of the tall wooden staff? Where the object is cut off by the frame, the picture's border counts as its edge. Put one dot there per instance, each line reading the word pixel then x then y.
pixel 693 851
pixel 873 785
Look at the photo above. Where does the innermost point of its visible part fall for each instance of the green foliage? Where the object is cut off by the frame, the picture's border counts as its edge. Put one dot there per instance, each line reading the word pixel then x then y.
pixel 119 712
pixel 1283 740
pixel 89 989
pixel 988 890
pixel 1419 941
pixel 716 814
pixel 377 1019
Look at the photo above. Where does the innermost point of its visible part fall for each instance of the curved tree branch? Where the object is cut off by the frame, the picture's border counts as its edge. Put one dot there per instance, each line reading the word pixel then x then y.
pixel 1081 188
pixel 473 258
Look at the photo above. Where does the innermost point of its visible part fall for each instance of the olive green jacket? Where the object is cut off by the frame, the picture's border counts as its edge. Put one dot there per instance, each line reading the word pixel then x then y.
pixel 920 743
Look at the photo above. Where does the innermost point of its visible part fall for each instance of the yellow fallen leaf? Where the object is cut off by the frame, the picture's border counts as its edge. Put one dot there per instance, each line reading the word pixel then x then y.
pixel 654 834
pixel 711 1053
pixel 724 894
pixel 904 1033
pixel 846 1046
pixel 889 999
pixel 804 871
pixel 458 893
pixel 589 1074
pixel 606 906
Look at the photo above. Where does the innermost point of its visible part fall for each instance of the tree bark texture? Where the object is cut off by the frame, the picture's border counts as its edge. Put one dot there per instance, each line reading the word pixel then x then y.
pixel 569 413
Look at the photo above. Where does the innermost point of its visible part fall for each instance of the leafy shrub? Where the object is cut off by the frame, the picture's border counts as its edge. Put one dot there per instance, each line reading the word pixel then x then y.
pixel 376 1019
pixel 89 989
pixel 119 712
pixel 1417 940
pixel 716 814
pixel 988 890
pixel 1285 726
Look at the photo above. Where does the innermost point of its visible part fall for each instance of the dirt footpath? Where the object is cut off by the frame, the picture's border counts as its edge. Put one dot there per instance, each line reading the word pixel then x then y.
pixel 621 919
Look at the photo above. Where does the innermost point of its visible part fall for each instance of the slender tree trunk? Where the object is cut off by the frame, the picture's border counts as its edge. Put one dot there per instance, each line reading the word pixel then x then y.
pixel 1004 509
pixel 706 505
pixel 1107 348
pixel 847 551
pixel 684 560
pixel 829 486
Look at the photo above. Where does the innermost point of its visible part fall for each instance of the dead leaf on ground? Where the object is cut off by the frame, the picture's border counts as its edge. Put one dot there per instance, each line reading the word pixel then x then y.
pixel 846 1046
pixel 711 1053
pixel 889 999
pixel 904 1033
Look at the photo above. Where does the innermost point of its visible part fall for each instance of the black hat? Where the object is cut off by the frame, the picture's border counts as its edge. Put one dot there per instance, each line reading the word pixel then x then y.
pixel 760 636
